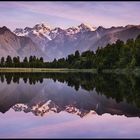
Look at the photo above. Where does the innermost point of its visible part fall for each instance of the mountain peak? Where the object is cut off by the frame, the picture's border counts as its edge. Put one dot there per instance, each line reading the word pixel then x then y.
pixel 3 29
pixel 27 29
pixel 18 30
pixel 130 26
pixel 100 28
pixel 42 26
pixel 85 26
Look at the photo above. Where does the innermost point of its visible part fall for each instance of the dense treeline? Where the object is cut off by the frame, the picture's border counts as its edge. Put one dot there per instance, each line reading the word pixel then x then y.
pixel 117 55
pixel 33 61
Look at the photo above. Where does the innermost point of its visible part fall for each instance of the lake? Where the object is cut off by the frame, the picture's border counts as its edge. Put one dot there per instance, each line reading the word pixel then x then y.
pixel 69 105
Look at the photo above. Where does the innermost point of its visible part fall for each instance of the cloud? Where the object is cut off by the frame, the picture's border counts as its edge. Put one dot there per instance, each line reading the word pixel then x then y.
pixel 64 13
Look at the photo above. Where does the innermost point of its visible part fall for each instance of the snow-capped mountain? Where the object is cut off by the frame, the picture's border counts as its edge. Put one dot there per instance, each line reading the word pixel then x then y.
pixel 39 34
pixel 57 42
pixel 37 29
pixel 86 27
pixel 50 33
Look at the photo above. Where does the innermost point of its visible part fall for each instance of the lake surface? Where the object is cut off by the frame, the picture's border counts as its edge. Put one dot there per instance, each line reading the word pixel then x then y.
pixel 69 105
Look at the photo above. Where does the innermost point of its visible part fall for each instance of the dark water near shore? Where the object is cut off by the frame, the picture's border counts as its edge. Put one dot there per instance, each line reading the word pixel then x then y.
pixel 69 105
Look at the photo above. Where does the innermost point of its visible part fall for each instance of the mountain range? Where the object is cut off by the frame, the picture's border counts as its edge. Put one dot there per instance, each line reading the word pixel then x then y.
pixel 43 40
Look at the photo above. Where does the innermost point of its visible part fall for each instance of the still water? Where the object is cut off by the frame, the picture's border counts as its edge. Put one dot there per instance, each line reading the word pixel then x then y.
pixel 69 105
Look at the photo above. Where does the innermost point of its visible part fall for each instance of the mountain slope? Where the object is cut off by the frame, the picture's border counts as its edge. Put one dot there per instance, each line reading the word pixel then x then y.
pixel 111 35
pixel 13 45
pixel 57 42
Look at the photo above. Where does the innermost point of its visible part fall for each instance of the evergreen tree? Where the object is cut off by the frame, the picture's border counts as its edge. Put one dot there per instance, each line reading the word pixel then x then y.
pixel 16 61
pixel 77 54
pixel 2 61
pixel 25 60
pixel 8 61
pixel 41 60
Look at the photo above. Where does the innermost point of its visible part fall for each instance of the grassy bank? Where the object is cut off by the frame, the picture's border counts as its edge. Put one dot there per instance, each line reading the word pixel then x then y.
pixel 45 70
pixel 135 71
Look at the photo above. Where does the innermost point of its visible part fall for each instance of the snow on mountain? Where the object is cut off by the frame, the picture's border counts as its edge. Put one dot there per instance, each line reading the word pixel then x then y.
pixel 39 34
pixel 38 29
pixel 72 30
pixel 51 33
pixel 86 27
pixel 51 39
pixel 56 42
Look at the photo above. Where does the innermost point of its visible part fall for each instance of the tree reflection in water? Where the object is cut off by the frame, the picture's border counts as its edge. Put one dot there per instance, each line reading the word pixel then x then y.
pixel 122 88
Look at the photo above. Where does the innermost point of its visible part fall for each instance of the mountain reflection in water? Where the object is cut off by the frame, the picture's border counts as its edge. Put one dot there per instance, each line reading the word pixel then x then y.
pixel 76 93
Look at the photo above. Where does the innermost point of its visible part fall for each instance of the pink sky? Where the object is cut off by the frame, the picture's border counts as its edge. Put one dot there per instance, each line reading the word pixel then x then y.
pixel 65 14
pixel 67 125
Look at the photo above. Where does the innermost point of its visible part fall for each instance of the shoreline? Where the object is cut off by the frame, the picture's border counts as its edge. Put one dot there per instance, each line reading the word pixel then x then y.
pixel 46 70
pixel 135 71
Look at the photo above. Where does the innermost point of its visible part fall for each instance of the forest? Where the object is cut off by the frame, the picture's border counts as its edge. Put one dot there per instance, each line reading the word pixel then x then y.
pixel 117 55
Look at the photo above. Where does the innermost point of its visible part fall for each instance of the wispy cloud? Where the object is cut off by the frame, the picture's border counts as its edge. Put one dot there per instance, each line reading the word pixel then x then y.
pixel 65 13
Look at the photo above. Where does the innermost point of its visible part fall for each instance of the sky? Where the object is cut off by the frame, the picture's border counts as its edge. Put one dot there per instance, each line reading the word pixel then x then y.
pixel 67 14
